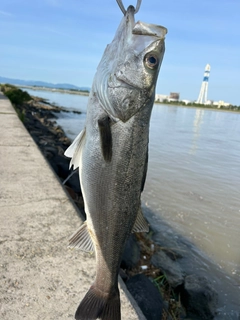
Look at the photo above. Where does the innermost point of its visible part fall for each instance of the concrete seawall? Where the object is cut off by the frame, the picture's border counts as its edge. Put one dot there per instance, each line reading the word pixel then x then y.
pixel 39 277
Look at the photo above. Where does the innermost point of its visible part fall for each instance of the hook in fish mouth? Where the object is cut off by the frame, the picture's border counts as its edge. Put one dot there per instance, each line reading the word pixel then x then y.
pixel 121 6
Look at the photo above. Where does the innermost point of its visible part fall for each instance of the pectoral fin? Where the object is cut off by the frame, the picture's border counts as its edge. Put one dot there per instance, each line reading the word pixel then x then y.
pixel 81 239
pixel 141 224
pixel 106 137
pixel 74 150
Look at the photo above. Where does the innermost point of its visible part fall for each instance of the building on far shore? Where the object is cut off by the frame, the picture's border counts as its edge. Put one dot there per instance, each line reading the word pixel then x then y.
pixel 221 103
pixel 186 101
pixel 202 98
pixel 174 96
pixel 208 102
pixel 161 97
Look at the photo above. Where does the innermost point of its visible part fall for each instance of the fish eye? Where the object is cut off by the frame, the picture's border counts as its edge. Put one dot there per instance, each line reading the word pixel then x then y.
pixel 151 60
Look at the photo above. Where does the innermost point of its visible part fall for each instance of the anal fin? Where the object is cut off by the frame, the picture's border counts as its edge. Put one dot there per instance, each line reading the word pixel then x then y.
pixel 81 239
pixel 141 224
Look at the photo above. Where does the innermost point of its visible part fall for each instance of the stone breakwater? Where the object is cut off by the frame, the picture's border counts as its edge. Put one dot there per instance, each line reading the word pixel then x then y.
pixel 152 267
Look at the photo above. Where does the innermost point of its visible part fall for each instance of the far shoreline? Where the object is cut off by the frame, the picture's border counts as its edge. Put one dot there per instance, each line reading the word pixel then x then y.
pixel 171 104
pixel 69 91
pixel 198 107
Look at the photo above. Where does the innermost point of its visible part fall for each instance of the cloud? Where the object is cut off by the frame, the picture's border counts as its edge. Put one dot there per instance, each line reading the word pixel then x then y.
pixel 4 13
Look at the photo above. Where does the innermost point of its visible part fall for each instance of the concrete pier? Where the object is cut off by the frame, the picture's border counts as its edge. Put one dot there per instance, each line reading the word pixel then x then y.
pixel 40 279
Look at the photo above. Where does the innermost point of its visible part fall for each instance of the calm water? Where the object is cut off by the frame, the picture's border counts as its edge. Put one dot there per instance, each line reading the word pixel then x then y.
pixel 193 179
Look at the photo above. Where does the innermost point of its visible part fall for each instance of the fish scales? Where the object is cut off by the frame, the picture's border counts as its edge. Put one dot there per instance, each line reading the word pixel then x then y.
pixel 113 213
pixel 112 153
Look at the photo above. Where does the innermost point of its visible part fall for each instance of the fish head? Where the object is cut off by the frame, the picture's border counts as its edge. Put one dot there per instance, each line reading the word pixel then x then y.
pixel 127 74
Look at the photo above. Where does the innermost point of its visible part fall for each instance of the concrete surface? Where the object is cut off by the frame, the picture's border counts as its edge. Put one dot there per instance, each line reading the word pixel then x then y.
pixel 39 277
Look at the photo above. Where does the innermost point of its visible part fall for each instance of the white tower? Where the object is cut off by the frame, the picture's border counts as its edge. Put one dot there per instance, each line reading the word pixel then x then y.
pixel 202 98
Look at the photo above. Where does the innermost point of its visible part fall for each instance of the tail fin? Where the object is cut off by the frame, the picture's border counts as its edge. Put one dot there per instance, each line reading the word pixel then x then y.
pixel 97 305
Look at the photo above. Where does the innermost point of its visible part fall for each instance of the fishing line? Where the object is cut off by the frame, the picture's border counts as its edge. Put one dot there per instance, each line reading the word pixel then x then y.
pixel 71 174
pixel 121 6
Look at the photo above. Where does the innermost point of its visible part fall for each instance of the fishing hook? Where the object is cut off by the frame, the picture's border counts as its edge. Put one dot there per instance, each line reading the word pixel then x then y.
pixel 121 6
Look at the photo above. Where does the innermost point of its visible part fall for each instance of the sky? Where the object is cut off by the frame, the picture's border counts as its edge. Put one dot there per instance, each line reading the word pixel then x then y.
pixel 62 41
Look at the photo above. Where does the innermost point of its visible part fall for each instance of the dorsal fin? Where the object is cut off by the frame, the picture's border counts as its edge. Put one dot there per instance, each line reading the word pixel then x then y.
pixel 141 225
pixel 81 239
pixel 74 150
pixel 106 137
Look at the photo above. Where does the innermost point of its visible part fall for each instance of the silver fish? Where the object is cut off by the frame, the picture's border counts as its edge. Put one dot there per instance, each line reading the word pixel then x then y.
pixel 112 153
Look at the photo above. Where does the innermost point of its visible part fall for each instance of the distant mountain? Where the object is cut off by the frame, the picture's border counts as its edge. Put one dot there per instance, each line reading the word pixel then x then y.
pixel 42 84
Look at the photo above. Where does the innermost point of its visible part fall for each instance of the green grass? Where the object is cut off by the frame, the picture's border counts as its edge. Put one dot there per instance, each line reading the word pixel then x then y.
pixel 175 309
pixel 15 95
pixel 17 98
